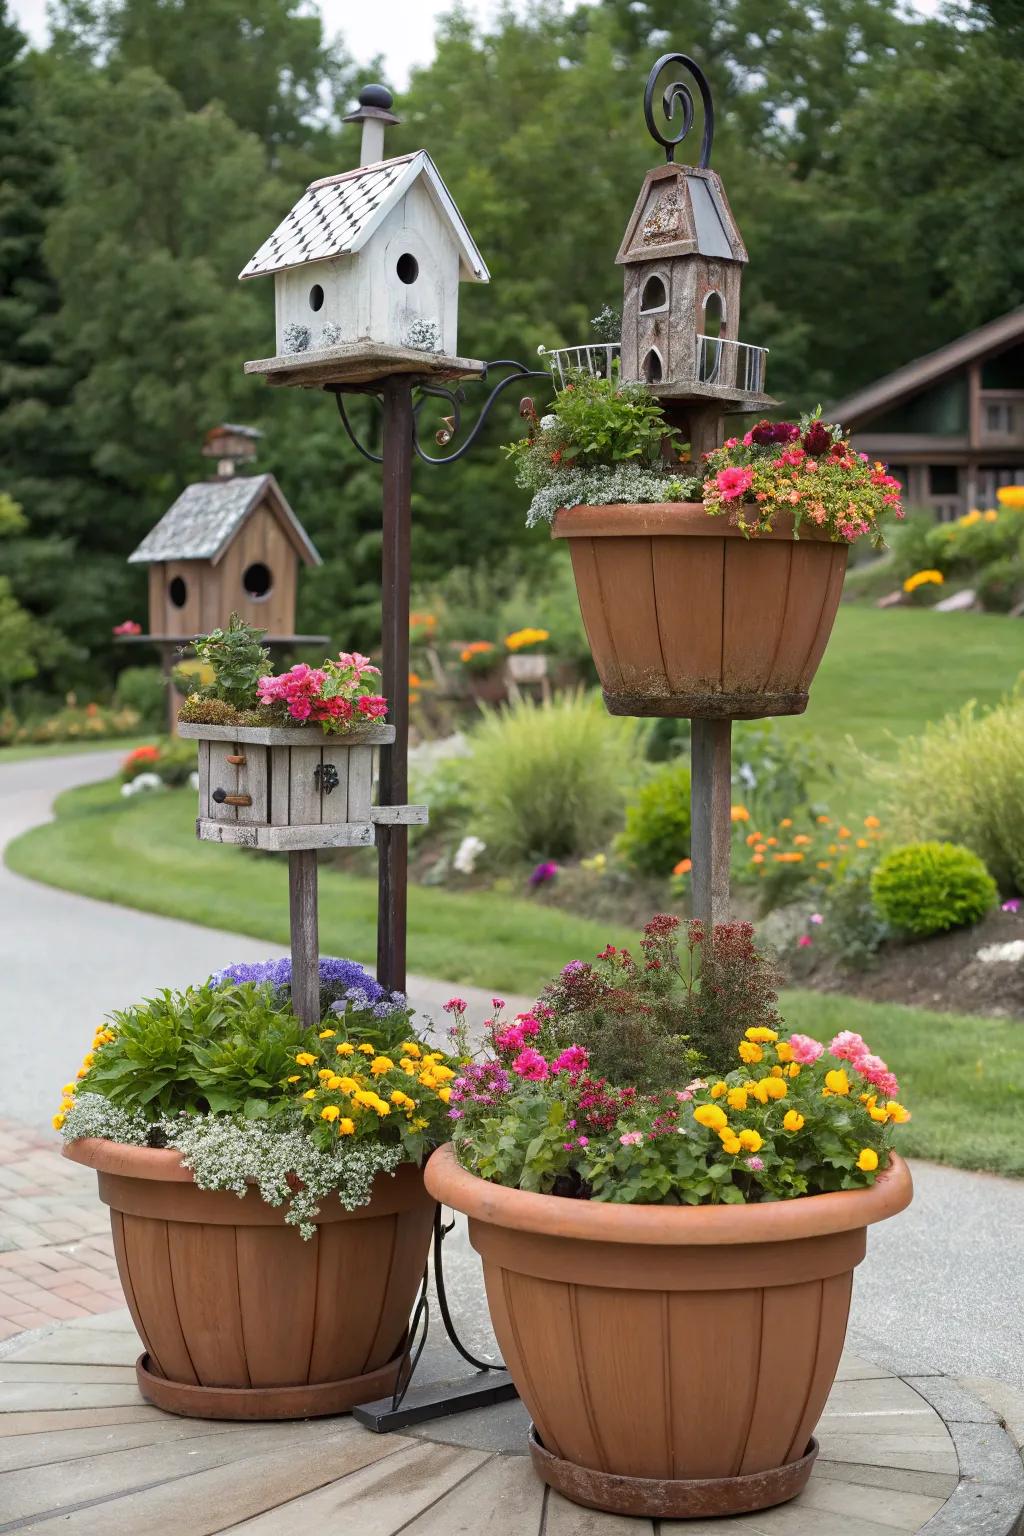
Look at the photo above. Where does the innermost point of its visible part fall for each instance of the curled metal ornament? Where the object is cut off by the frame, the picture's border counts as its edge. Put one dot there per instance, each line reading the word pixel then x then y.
pixel 678 95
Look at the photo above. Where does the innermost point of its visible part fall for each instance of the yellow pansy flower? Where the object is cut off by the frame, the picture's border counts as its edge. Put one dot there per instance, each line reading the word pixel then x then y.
pixel 410 1048
pixel 867 1162
pixel 792 1120
pixel 762 1033
pixel 731 1144
pixel 784 1051
pixel 295 1077
pixel 749 1052
pixel 328 1034
pixel 310 1093
pixel 305 1059
pixel 345 1049
pixel 324 1074
pixel 380 1065
pixel 837 1081
pixel 751 1140
pixel 330 1112
pixel 444 1094
pixel 347 1084
pixel 774 1087
pixel 711 1116
pixel 737 1098
pixel 719 1089
pixel 346 1127
pixel 366 1049
pixel 896 1112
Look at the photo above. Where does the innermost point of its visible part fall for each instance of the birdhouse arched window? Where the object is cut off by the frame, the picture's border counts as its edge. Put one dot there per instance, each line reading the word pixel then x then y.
pixel 652 369
pixel 709 342
pixel 654 296
pixel 714 315
pixel 257 580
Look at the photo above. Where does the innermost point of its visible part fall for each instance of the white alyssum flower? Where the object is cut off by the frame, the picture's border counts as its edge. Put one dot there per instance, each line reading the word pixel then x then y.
pixel 467 853
pixel 604 486
pixel 1011 953
pixel 141 783
pixel 230 1152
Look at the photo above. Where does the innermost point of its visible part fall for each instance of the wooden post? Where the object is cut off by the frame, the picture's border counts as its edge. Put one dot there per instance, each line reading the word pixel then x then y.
pixel 392 841
pixel 302 912
pixel 711 818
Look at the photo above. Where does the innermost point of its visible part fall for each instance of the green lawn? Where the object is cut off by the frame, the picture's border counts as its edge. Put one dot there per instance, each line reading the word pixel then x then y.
pixel 887 673
pixel 142 852
pixel 72 748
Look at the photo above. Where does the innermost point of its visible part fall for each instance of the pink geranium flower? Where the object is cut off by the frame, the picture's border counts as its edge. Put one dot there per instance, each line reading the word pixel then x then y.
pixel 732 483
pixel 805 1050
pixel 575 1060
pixel 531 1065
pixel 848 1046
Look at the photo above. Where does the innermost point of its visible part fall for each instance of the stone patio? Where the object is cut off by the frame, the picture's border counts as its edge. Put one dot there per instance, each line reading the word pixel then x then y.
pixel 82 1454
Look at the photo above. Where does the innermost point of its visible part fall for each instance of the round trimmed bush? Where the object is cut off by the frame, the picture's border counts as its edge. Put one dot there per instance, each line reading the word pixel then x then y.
pixel 657 833
pixel 926 888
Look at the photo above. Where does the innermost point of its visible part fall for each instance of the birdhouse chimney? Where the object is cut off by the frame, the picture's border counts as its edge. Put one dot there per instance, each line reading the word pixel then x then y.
pixel 374 112
pixel 231 445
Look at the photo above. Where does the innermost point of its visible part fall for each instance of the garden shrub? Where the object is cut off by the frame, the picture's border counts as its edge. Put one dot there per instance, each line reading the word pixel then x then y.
pixel 143 689
pixel 549 781
pixel 909 542
pixel 963 781
pixel 1001 584
pixel 926 888
pixel 657 832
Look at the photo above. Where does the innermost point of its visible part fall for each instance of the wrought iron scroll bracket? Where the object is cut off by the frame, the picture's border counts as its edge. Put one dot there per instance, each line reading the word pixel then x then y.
pixel 451 424
pixel 678 93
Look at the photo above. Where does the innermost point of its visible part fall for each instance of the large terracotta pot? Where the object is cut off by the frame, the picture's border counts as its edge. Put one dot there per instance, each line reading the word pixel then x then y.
pixel 686 616
pixel 240 1317
pixel 674 1359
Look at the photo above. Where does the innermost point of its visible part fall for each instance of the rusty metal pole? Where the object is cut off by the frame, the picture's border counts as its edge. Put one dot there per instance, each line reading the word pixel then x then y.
pixel 393 842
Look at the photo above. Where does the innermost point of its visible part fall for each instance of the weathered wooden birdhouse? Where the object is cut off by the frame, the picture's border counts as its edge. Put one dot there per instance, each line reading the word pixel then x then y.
pixel 227 545
pixel 285 788
pixel 684 258
pixel 367 268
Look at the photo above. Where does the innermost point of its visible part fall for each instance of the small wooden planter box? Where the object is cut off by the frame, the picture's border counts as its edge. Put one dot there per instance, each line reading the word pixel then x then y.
pixel 285 788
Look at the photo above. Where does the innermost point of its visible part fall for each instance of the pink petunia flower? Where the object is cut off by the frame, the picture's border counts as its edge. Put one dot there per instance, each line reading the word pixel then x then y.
pixel 732 483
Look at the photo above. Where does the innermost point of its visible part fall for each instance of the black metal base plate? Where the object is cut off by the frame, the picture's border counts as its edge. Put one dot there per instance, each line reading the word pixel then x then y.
pixel 437 1400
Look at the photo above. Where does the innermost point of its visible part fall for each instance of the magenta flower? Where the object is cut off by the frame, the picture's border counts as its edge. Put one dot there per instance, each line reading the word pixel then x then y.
pixel 1013 905
pixel 575 1060
pixel 732 483
pixel 531 1065
pixel 804 941
pixel 543 872
pixel 805 1050
pixel 528 1024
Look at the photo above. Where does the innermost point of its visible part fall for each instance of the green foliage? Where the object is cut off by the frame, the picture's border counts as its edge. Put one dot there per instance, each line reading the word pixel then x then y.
pixel 851 927
pixel 777 772
pixel 963 781
pixel 549 780
pixel 926 888
pixel 657 831
pixel 1000 584
pixel 143 689
pixel 238 661
pixel 207 1050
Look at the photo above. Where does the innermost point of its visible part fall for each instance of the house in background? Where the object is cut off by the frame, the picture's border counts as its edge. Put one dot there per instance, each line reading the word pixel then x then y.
pixel 949 425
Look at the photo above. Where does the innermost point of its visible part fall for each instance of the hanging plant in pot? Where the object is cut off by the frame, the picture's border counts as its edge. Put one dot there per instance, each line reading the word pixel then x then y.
pixel 670 1194
pixel 707 595
pixel 268 1210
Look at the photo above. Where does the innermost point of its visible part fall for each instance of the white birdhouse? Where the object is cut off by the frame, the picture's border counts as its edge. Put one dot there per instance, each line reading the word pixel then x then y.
pixel 367 268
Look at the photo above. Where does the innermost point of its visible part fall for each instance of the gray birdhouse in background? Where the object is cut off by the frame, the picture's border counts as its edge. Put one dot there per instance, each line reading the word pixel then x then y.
pixel 367 268
pixel 684 258
pixel 228 545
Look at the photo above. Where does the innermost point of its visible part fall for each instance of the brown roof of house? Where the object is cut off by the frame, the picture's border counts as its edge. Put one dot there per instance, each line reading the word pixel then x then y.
pixel 915 376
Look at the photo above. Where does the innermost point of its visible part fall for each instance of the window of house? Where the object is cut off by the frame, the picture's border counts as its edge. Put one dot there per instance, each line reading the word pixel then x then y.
pixel 943 480
pixel 999 416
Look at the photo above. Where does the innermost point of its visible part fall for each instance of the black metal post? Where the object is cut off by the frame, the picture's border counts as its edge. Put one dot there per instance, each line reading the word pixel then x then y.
pixel 392 842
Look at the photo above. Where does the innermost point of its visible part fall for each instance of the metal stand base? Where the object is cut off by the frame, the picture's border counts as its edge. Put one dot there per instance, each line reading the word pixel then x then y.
pixel 490 1384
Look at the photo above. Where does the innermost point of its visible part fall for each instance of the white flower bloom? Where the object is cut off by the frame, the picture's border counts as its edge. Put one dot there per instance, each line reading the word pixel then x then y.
pixel 1011 953
pixel 549 421
pixel 467 853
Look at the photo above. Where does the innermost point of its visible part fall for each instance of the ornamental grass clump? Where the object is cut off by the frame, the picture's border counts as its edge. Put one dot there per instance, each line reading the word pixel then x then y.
pixel 784 1116
pixel 229 1077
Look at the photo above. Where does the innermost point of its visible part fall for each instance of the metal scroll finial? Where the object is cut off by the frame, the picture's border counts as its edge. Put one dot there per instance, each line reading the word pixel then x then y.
pixel 679 93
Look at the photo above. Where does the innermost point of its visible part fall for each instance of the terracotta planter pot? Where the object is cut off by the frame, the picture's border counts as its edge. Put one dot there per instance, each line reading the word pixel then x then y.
pixel 675 1360
pixel 240 1317
pixel 686 616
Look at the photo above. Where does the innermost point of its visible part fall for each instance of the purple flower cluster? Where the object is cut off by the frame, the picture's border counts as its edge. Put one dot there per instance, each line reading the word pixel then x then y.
pixel 341 982
pixel 482 1083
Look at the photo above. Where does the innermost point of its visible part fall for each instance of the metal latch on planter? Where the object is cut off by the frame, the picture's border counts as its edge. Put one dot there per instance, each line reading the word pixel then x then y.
pixel 325 777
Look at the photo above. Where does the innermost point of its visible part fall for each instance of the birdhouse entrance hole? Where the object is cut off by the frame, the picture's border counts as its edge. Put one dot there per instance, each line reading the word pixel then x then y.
pixel 408 268
pixel 257 580
pixel 653 297
pixel 316 297
pixel 652 367
pixel 177 591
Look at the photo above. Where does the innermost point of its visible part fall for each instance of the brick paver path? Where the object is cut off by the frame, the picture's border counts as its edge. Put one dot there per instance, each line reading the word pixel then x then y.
pixel 56 1252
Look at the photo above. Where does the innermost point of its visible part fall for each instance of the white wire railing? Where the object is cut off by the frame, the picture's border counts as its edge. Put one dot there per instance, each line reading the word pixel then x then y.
pixel 734 364
pixel 598 359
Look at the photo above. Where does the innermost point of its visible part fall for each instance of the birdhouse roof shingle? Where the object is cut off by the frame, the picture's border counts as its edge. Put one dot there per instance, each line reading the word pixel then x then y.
pixel 337 215
pixel 208 515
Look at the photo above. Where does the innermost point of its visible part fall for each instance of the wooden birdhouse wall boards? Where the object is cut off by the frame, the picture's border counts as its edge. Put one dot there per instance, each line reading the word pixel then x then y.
pixel 683 257
pixel 366 270
pixel 230 545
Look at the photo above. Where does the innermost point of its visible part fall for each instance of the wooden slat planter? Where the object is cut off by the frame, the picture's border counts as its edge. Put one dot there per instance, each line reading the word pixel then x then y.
pixel 284 788
pixel 687 617
pixel 242 1319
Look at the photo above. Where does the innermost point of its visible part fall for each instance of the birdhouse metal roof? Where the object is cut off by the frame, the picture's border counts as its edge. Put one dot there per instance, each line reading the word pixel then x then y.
pixel 207 516
pixel 682 210
pixel 337 216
